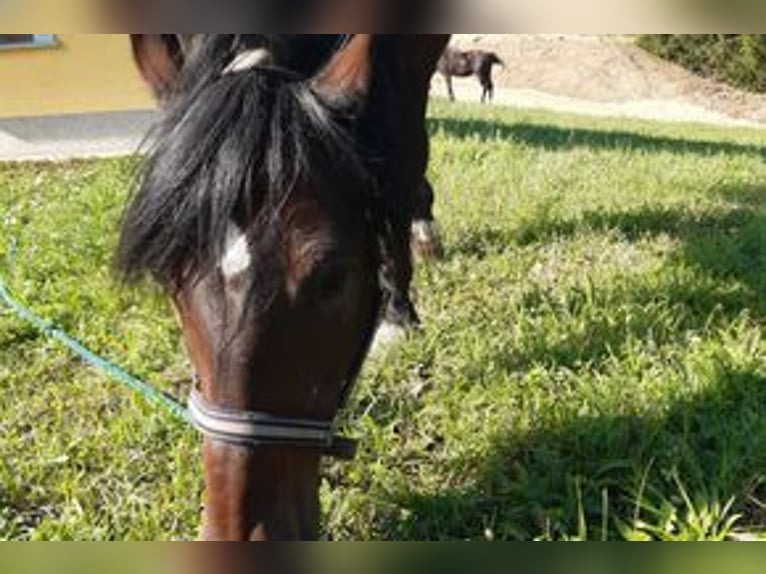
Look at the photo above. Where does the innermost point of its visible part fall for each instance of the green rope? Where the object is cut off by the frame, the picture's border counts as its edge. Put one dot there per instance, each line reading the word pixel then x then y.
pixel 109 368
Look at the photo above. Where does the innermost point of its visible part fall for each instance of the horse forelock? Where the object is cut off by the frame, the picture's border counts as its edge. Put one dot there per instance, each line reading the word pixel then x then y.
pixel 232 147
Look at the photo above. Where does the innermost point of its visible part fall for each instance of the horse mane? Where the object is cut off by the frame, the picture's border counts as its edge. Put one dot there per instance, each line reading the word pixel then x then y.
pixel 231 147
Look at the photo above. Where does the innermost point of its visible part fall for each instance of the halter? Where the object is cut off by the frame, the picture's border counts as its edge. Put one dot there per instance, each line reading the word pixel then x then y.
pixel 257 429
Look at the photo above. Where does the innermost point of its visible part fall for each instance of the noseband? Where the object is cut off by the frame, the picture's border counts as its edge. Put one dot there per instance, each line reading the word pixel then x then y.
pixel 257 429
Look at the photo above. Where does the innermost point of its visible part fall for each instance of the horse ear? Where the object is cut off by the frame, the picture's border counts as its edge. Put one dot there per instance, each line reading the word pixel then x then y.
pixel 350 70
pixel 159 59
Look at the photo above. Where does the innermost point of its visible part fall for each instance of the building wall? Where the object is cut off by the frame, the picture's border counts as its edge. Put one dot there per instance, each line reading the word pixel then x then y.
pixel 81 73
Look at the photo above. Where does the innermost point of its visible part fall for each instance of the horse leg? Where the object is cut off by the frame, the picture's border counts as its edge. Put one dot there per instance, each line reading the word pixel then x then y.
pixel 409 153
pixel 483 82
pixel 425 241
pixel 396 277
pixel 450 91
pixel 400 310
pixel 487 90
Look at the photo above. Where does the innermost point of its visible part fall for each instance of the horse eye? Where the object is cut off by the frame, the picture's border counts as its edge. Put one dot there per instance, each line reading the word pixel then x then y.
pixel 332 281
pixel 326 283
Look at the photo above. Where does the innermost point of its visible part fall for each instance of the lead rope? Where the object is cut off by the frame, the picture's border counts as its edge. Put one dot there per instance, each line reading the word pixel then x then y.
pixel 47 328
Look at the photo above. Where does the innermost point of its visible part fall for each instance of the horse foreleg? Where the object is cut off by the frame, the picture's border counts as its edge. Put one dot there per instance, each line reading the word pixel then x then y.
pixel 425 241
pixel 396 277
pixel 487 90
pixel 398 274
pixel 450 90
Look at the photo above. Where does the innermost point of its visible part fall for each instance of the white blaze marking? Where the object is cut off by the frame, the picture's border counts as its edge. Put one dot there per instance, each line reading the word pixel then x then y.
pixel 237 257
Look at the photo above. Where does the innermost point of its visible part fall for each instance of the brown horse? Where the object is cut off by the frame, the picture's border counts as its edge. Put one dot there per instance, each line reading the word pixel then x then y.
pixel 464 64
pixel 280 191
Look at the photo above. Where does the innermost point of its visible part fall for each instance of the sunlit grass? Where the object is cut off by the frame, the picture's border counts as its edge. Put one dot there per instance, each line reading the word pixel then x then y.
pixel 592 364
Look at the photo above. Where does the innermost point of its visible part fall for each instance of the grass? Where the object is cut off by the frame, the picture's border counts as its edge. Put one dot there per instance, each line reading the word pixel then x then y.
pixel 592 366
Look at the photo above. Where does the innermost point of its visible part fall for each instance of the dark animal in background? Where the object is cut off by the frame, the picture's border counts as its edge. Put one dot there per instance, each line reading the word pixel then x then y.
pixel 464 64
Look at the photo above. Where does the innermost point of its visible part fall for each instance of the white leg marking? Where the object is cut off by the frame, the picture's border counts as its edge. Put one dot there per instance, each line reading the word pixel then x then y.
pixel 387 336
pixel 425 241
pixel 422 231
pixel 237 258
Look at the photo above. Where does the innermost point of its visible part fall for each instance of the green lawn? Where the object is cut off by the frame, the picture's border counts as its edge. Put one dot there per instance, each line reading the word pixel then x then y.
pixel 592 366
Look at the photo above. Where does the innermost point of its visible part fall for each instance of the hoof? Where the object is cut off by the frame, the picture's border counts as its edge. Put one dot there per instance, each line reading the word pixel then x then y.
pixel 425 241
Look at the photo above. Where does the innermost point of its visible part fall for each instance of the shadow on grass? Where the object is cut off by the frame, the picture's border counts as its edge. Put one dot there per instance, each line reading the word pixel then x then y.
pixel 597 467
pixel 638 314
pixel 544 481
pixel 726 249
pixel 480 241
pixel 557 138
pixel 14 337
pixel 726 244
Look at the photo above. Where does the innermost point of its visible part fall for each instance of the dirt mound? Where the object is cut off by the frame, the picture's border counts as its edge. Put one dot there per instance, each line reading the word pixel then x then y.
pixel 607 73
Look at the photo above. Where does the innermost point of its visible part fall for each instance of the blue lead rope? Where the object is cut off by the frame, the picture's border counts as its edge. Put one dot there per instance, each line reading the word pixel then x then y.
pixel 109 368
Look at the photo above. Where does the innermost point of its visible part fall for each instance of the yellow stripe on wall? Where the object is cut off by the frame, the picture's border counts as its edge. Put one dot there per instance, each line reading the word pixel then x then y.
pixel 82 73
